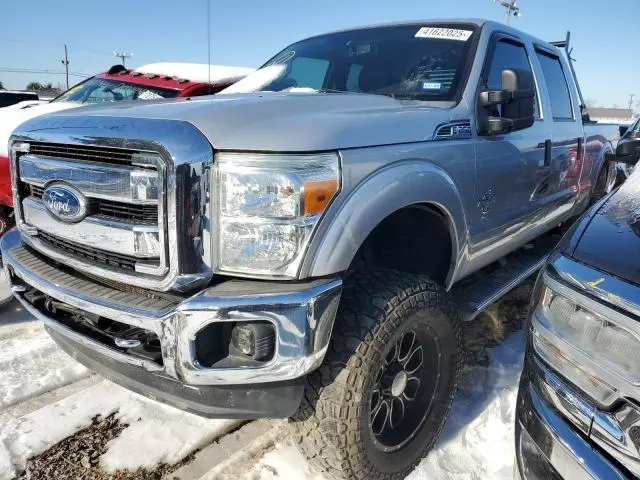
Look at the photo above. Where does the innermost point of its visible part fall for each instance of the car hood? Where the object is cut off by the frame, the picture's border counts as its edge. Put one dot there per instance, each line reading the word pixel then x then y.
pixel 269 121
pixel 14 115
pixel 611 240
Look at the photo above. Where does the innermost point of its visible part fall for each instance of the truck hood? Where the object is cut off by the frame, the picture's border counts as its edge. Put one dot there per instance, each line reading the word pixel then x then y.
pixel 297 122
pixel 611 241
pixel 14 115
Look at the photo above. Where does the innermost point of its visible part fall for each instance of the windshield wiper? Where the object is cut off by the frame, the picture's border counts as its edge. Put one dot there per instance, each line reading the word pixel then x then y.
pixel 331 90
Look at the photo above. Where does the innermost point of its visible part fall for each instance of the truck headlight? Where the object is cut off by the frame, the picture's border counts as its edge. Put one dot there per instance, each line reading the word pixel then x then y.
pixel 588 343
pixel 267 206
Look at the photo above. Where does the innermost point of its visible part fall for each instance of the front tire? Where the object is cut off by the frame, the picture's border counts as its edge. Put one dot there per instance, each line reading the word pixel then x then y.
pixel 378 402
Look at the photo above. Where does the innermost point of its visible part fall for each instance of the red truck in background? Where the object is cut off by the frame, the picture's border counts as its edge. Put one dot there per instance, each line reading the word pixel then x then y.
pixel 153 81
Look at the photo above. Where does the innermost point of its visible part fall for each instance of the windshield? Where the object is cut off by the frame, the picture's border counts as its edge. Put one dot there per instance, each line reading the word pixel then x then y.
pixel 99 90
pixel 413 62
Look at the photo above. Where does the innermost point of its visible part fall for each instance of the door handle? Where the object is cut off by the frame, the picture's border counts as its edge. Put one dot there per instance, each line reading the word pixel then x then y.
pixel 547 153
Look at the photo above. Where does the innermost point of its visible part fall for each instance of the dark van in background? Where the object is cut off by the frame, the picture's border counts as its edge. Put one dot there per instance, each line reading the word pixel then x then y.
pixel 9 97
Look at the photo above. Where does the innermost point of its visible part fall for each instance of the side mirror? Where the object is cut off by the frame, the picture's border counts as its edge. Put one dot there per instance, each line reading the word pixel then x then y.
pixel 628 151
pixel 510 108
pixel 623 130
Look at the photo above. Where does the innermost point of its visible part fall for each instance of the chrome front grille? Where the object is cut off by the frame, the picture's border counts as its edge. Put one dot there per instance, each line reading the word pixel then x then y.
pixel 112 259
pixel 121 227
pixel 116 156
pixel 140 191
pixel 111 209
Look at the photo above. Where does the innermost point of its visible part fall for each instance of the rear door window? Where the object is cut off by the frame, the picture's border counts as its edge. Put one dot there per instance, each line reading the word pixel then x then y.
pixel 556 82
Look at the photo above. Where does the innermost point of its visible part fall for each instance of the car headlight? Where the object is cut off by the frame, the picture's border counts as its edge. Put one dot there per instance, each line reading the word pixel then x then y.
pixel 591 345
pixel 267 206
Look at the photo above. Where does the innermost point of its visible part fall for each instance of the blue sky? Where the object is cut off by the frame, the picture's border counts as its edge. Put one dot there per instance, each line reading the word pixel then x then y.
pixel 247 32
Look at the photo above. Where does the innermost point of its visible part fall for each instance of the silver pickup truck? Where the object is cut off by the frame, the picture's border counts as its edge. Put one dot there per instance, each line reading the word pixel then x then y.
pixel 308 244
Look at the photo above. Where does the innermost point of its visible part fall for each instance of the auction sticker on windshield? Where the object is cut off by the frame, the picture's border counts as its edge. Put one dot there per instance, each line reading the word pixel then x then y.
pixel 444 33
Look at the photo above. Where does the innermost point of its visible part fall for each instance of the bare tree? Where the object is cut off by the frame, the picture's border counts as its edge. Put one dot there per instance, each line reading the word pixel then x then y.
pixel 37 86
pixel 2 86
pixel 590 103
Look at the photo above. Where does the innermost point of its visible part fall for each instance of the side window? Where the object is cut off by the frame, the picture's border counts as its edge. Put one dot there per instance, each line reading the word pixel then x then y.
pixel 308 72
pixel 556 83
pixel 507 54
pixel 353 77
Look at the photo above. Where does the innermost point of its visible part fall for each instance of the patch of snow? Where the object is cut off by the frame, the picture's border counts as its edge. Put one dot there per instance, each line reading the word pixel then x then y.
pixel 478 438
pixel 476 442
pixel 197 72
pixel 156 433
pixel 30 362
pixel 283 463
pixel 35 432
pixel 257 80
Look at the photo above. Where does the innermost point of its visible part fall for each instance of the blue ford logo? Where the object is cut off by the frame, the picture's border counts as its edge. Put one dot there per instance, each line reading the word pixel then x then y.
pixel 64 202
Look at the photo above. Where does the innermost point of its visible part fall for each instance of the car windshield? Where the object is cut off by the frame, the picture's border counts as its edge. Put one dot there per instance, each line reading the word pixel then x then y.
pixel 423 62
pixel 99 90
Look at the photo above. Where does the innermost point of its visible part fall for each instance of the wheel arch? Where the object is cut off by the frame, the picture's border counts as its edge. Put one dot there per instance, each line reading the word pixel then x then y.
pixel 407 184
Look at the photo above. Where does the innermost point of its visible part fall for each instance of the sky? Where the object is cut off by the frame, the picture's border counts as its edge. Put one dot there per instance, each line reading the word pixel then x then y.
pixel 248 32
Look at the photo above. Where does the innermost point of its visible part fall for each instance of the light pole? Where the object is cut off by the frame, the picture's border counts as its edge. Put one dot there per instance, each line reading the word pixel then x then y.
pixel 122 55
pixel 65 62
pixel 511 8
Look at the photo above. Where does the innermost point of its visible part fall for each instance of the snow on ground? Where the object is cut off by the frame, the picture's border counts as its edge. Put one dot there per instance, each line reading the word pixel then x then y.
pixel 477 441
pixel 31 364
pixel 156 433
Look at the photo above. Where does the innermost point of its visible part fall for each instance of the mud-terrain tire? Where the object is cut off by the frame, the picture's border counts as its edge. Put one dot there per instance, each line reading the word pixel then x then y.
pixel 388 323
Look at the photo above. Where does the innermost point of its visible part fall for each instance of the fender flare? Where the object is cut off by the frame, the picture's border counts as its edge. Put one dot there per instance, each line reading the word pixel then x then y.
pixel 348 223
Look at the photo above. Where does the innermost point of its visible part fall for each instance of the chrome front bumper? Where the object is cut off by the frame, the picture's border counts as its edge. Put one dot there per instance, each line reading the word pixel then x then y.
pixel 303 316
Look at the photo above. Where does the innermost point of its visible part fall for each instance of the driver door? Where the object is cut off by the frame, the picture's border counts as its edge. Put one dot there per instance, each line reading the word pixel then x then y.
pixel 506 166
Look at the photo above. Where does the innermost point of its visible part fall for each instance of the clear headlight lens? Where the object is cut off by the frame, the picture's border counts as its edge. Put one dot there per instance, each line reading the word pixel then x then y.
pixel 267 207
pixel 592 351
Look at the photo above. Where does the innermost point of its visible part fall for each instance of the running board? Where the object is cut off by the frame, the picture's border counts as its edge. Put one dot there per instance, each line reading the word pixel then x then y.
pixel 475 293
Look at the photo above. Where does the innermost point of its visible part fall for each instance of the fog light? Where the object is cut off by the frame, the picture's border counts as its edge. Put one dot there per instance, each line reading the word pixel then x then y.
pixel 256 340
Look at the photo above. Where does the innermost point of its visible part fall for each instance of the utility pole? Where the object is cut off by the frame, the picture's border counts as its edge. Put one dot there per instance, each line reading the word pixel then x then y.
pixel 122 55
pixel 65 62
pixel 510 9
pixel 631 101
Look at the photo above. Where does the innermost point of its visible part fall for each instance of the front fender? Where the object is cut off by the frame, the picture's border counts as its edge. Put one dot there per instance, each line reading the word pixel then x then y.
pixel 346 226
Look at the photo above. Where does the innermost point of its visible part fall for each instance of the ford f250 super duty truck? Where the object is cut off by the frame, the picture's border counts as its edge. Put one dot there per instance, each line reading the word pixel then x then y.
pixel 577 415
pixel 307 246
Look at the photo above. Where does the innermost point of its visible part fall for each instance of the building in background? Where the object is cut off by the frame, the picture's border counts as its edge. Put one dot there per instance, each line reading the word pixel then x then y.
pixel 622 116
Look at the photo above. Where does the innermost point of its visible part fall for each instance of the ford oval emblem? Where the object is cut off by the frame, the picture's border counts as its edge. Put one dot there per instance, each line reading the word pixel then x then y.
pixel 64 202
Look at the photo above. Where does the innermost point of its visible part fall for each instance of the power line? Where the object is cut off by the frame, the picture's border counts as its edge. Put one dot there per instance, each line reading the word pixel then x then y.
pixel 49 72
pixel 55 45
